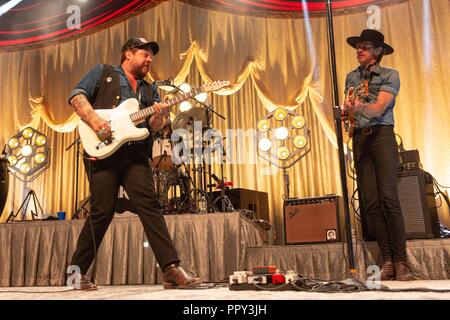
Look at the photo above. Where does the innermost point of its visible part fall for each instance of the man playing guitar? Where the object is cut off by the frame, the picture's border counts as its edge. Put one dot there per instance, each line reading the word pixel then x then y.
pixel 106 87
pixel 371 90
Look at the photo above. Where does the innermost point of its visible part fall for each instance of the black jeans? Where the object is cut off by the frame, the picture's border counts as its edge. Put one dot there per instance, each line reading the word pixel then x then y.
pixel 376 160
pixel 130 168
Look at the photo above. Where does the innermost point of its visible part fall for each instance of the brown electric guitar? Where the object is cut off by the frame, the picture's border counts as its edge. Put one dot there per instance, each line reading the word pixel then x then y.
pixel 361 92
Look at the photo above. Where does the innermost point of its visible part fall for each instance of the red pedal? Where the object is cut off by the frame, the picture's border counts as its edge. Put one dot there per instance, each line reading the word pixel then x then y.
pixel 278 278
pixel 265 270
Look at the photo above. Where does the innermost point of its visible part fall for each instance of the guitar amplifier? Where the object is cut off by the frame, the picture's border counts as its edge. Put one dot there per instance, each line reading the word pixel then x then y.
pixel 312 220
pixel 416 194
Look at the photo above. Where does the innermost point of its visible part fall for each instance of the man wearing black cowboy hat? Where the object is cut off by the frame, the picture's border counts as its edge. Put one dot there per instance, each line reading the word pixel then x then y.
pixel 375 149
pixel 106 86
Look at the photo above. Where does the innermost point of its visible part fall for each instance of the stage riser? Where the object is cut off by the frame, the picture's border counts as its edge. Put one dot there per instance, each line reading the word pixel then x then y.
pixel 211 246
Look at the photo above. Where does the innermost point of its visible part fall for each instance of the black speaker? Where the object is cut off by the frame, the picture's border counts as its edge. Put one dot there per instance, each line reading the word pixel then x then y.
pixel 416 194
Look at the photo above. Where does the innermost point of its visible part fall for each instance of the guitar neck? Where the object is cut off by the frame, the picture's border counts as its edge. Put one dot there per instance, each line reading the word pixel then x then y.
pixel 146 112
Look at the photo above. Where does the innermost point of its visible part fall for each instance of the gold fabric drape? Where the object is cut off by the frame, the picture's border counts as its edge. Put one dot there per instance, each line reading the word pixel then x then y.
pixel 271 62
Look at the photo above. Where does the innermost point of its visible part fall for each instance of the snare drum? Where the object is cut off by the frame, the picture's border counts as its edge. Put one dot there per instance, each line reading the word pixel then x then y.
pixel 162 154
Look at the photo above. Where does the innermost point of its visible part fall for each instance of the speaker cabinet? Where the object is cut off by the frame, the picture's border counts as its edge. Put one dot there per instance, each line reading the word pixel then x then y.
pixel 416 194
pixel 312 220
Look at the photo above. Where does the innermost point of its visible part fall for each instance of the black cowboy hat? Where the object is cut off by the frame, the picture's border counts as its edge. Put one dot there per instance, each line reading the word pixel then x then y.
pixel 140 43
pixel 376 37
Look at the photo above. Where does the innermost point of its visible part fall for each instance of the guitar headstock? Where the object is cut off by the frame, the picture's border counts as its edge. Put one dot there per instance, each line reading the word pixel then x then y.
pixel 214 86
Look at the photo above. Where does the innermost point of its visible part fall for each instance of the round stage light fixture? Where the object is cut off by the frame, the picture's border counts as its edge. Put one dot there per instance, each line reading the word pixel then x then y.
pixel 39 158
pixel 25 168
pixel 281 133
pixel 12 159
pixel 300 142
pixel 13 143
pixel 298 122
pixel 283 153
pixel 264 125
pixel 27 133
pixel 41 140
pixel 264 145
pixel 27 150
pixel 280 114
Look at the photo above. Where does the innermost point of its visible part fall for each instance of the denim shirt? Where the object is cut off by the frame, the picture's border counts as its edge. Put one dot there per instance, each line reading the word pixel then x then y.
pixel 88 84
pixel 87 87
pixel 381 79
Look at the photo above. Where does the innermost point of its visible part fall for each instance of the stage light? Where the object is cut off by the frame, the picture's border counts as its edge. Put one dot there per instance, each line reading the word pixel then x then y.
pixel 281 133
pixel 28 153
pixel 298 122
pixel 28 159
pixel 13 143
pixel 283 153
pixel 263 125
pixel 185 106
pixel 185 87
pixel 300 142
pixel 27 133
pixel 27 150
pixel 12 160
pixel 202 97
pixel 39 158
pixel 25 168
pixel 41 140
pixel 280 114
pixel 265 144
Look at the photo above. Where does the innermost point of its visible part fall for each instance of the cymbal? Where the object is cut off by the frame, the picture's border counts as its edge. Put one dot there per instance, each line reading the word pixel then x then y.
pixel 186 119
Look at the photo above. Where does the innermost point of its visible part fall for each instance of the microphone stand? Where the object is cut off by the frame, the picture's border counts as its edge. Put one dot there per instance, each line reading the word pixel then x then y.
pixel 208 108
pixel 77 159
pixel 338 125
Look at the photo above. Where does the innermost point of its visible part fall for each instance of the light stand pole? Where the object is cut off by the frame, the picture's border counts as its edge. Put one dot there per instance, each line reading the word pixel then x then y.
pixel 338 126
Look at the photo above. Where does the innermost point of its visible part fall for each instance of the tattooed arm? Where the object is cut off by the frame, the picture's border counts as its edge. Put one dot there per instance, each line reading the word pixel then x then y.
pixel 84 109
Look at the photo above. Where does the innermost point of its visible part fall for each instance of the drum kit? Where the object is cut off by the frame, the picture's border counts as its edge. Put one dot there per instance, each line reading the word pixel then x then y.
pixel 182 173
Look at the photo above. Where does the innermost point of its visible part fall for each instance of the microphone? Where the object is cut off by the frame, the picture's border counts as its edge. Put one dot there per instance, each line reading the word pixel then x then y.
pixel 159 83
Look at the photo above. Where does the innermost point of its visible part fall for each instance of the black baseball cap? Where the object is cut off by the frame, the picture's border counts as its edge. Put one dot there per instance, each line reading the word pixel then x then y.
pixel 140 42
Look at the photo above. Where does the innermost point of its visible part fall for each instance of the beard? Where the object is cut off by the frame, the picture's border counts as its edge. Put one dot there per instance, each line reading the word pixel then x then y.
pixel 141 71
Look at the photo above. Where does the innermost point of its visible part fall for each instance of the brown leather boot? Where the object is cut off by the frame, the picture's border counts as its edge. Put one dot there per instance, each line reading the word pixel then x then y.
pixel 85 284
pixel 403 273
pixel 176 278
pixel 387 271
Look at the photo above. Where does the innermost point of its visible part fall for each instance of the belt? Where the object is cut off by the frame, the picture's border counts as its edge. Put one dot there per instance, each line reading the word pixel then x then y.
pixel 369 129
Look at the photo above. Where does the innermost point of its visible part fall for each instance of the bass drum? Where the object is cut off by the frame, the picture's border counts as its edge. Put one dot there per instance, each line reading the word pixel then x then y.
pixel 4 183
pixel 162 155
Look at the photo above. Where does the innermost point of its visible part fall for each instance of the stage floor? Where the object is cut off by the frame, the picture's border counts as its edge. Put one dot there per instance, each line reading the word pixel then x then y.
pixel 157 292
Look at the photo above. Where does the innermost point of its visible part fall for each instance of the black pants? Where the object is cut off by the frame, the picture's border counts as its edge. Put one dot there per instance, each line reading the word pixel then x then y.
pixel 376 160
pixel 130 168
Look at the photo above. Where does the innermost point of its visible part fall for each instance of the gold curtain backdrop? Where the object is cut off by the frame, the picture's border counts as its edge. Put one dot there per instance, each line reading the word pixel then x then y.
pixel 271 62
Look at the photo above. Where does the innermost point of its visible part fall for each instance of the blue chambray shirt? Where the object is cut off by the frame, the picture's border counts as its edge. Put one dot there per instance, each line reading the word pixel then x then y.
pixel 89 82
pixel 87 86
pixel 382 79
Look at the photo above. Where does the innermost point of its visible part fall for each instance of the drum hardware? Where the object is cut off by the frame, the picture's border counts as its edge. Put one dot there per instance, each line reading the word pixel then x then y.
pixel 186 120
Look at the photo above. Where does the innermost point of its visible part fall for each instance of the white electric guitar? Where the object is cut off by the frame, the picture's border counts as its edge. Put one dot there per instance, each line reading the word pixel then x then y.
pixel 123 121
